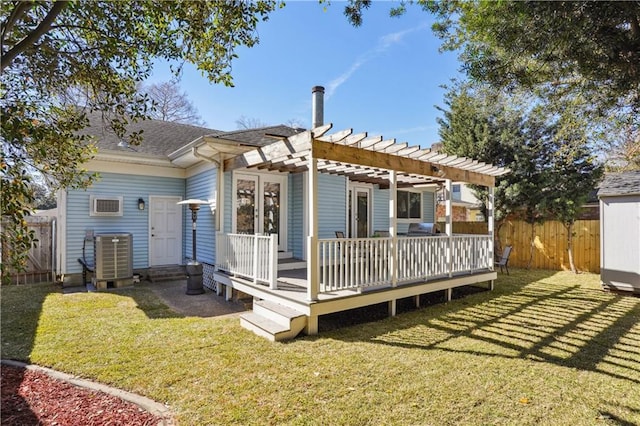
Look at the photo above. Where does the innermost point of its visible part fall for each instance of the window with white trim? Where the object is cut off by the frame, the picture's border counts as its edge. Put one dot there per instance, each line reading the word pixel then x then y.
pixel 409 205
pixel 456 192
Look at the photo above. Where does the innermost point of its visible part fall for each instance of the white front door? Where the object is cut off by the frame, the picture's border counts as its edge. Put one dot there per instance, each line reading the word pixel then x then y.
pixel 259 202
pixel 165 231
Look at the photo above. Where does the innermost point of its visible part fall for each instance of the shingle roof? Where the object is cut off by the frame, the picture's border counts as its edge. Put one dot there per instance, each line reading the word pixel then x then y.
pixel 261 136
pixel 619 184
pixel 159 137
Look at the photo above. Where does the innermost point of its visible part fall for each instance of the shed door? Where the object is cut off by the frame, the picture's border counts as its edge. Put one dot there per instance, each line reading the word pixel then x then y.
pixel 165 231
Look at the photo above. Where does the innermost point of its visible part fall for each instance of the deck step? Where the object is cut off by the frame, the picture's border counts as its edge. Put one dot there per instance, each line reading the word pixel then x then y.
pixel 285 254
pixel 276 312
pixel 167 273
pixel 265 327
pixel 274 321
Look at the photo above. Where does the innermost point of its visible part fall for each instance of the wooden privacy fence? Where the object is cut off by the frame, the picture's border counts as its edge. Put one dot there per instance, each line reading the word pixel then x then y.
pixel 550 243
pixel 40 259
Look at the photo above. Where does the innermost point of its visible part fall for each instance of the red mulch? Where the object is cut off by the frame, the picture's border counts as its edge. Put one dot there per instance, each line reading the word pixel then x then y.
pixel 34 398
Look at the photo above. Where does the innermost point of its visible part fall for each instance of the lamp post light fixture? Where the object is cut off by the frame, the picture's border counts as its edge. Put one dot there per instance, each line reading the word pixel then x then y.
pixel 194 269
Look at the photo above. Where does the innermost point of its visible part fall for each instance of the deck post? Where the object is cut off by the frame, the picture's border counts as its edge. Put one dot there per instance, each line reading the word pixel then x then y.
pixel 393 227
pixel 273 261
pixel 490 225
pixel 228 292
pixel 255 258
pixel 313 278
pixel 311 329
pixel 447 294
pixel 416 300
pixel 392 307
pixel 449 224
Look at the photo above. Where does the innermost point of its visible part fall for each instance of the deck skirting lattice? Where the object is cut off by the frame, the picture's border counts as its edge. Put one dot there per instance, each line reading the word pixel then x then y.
pixel 207 276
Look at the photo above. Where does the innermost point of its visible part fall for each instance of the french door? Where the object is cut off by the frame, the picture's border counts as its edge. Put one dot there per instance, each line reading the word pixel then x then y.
pixel 260 205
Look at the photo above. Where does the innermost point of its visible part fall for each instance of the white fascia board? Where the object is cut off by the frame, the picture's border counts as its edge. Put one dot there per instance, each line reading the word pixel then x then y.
pixel 129 168
pixel 135 158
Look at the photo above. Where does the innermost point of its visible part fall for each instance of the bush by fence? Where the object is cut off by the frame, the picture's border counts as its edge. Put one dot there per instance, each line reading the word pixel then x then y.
pixel 550 244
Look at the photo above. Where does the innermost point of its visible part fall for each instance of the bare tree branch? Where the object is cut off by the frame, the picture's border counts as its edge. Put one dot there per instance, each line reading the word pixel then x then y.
pixel 170 104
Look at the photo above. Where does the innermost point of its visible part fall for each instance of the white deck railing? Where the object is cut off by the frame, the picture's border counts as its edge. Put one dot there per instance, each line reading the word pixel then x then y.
pixel 250 256
pixel 356 263
pixel 343 261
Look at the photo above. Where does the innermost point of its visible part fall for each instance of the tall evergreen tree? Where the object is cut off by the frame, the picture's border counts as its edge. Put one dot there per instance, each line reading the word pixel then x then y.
pixel 551 157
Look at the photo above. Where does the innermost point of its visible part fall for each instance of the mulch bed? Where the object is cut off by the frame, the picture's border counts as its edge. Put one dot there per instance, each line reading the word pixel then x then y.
pixel 34 398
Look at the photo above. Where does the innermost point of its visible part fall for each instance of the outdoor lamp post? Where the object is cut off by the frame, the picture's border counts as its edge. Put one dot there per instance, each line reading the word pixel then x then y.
pixel 194 269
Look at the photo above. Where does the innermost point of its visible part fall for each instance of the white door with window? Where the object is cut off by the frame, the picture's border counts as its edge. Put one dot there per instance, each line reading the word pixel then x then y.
pixel 165 231
pixel 259 202
pixel 359 211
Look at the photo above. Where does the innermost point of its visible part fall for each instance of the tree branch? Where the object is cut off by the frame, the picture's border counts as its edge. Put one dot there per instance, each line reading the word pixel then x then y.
pixel 34 36
pixel 19 10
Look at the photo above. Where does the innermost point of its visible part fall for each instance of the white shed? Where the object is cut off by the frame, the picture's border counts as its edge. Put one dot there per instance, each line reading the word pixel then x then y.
pixel 619 196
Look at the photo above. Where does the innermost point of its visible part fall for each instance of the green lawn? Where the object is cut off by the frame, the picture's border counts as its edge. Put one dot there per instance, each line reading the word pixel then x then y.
pixel 544 348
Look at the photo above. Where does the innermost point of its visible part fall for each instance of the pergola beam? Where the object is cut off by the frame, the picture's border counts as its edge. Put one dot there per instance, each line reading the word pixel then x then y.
pixel 347 154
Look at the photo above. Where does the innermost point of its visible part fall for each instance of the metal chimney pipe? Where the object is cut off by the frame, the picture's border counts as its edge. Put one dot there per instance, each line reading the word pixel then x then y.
pixel 317 107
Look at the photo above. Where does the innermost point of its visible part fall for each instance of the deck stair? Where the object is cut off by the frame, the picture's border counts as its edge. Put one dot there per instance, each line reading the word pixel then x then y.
pixel 167 273
pixel 273 321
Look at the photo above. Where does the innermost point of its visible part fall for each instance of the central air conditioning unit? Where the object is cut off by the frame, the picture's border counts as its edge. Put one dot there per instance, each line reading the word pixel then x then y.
pixel 113 257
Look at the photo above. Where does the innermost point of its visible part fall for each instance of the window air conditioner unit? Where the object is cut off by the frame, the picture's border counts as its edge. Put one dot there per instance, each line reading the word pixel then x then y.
pixel 113 256
pixel 105 205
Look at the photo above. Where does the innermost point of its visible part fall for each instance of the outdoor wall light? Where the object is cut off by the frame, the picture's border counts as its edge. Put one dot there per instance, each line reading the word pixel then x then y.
pixel 140 204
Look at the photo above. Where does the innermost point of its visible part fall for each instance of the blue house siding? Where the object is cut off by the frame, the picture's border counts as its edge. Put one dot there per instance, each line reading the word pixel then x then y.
pixel 380 209
pixel 296 239
pixel 132 221
pixel 332 205
pixel 203 187
pixel 429 206
pixel 229 208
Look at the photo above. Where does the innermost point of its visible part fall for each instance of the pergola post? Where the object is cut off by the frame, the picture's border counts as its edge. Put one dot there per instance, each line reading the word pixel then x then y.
pixel 393 226
pixel 449 224
pixel 490 227
pixel 312 239
pixel 393 233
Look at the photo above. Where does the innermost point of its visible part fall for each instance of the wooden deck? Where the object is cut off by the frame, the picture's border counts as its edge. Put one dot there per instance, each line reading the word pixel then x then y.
pixel 292 292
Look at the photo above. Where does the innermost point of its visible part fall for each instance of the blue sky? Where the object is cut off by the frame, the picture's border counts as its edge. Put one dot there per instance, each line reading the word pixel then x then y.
pixel 383 78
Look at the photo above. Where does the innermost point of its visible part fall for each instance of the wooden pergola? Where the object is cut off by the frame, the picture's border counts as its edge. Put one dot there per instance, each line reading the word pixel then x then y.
pixel 365 159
